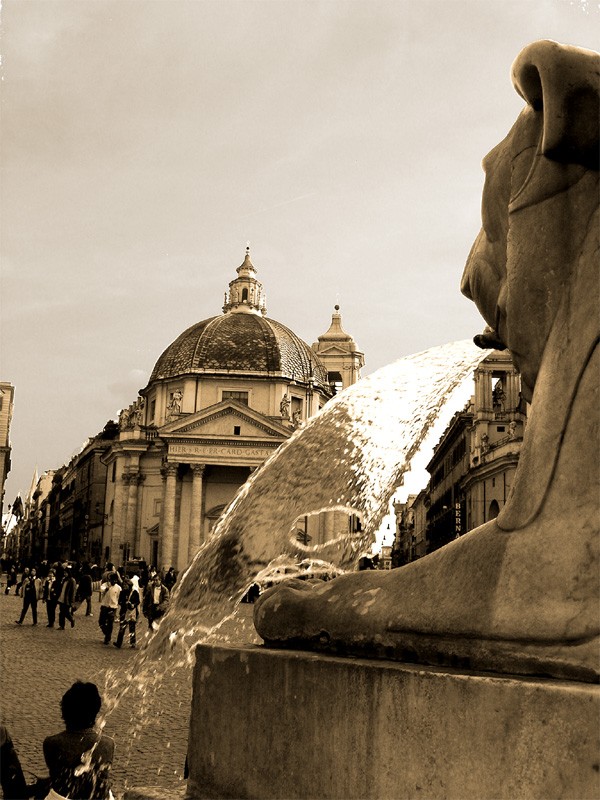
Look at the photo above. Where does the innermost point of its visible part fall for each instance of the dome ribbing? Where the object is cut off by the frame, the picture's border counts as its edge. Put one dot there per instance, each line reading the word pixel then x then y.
pixel 242 343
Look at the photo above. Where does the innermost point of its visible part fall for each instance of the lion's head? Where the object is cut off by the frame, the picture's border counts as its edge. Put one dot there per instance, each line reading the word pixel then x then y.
pixel 538 202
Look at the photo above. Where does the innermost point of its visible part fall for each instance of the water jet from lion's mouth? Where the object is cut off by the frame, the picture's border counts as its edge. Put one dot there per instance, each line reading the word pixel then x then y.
pixel 350 457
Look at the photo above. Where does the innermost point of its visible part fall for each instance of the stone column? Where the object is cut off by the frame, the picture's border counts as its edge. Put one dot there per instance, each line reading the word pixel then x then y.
pixel 196 511
pixel 119 512
pixel 132 533
pixel 168 529
pixel 512 390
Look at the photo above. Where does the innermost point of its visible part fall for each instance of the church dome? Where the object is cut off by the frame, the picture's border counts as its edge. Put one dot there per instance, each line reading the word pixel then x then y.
pixel 240 342
pixel 243 339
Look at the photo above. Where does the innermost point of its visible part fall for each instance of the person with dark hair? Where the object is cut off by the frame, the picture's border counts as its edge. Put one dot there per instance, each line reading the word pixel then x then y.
pixel 170 579
pixel 50 592
pixel 80 758
pixel 11 773
pixel 109 606
pixel 31 592
pixel 129 600
pixel 85 590
pixel 66 598
pixel 11 579
pixel 156 600
pixel 24 575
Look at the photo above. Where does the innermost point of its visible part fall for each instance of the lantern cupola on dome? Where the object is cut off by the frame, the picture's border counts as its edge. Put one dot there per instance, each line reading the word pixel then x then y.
pixel 245 295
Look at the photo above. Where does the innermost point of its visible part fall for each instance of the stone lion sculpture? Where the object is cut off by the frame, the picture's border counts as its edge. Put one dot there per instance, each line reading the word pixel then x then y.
pixel 519 594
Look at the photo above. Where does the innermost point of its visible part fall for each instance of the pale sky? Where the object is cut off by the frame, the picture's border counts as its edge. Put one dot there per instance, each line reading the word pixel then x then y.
pixel 144 143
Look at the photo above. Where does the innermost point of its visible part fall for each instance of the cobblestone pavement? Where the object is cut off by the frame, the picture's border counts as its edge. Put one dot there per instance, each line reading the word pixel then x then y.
pixel 37 665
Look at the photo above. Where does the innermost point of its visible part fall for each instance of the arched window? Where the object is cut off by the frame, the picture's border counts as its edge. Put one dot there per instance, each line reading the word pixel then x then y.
pixel 213 516
pixel 244 295
pixel 494 510
pixel 335 381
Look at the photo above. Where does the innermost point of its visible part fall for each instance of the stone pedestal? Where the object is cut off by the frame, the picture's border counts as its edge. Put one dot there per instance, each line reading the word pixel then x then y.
pixel 287 724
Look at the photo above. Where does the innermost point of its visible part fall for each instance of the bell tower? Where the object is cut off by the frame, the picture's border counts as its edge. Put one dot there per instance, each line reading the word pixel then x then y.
pixel 340 354
pixel 245 295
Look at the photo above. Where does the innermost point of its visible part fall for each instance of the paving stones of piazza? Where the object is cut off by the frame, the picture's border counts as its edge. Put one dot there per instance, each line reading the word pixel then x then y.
pixel 149 725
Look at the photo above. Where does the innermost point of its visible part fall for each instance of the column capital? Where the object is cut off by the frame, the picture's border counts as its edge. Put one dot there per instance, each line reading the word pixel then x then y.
pixel 169 470
pixel 198 469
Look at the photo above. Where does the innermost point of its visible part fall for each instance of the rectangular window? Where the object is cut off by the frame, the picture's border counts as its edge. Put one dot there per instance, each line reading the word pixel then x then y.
pixel 500 428
pixel 157 507
pixel 240 397
pixel 296 405
pixel 237 430
pixel 152 410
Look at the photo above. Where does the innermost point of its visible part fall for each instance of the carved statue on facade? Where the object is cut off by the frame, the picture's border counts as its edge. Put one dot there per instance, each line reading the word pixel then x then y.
pixel 519 594
pixel 138 414
pixel 498 397
pixel 284 406
pixel 297 418
pixel 124 419
pixel 174 406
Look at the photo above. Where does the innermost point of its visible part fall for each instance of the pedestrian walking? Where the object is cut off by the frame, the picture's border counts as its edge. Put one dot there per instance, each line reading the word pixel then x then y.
pixel 85 591
pixel 31 592
pixel 108 571
pixel 156 600
pixel 50 593
pixel 170 579
pixel 129 601
pixel 80 758
pixel 24 575
pixel 109 606
pixel 11 579
pixel 66 598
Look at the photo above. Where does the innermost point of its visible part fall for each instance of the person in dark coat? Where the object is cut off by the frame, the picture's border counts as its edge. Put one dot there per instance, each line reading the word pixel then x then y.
pixel 156 600
pixel 170 579
pixel 11 579
pixel 50 592
pixel 66 598
pixel 31 592
pixel 85 590
pixel 11 773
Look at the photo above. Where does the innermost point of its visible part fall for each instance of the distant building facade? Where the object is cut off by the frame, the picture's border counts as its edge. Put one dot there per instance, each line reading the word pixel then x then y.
pixel 7 392
pixel 472 467
pixel 73 512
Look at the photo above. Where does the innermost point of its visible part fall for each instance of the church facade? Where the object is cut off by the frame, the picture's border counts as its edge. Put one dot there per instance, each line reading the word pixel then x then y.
pixel 220 400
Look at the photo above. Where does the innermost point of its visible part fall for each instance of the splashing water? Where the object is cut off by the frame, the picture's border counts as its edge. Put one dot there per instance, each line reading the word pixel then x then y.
pixel 350 457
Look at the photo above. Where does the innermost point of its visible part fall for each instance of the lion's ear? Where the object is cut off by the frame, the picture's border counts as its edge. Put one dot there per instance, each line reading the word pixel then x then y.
pixel 563 84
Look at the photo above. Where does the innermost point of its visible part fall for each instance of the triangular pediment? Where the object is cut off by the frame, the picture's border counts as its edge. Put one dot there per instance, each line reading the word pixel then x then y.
pixel 333 350
pixel 219 421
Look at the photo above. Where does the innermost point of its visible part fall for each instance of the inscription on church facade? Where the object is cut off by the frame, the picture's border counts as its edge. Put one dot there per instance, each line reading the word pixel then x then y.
pixel 216 450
